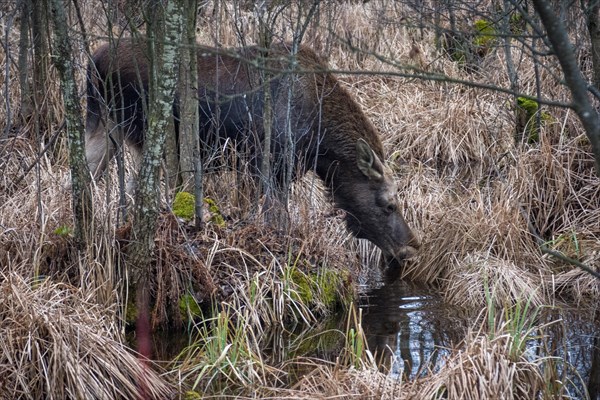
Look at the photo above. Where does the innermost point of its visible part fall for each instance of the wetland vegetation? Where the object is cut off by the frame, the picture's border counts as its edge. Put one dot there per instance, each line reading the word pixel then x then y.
pixel 496 175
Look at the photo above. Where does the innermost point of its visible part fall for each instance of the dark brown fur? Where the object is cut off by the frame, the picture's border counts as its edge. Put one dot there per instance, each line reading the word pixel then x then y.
pixel 330 132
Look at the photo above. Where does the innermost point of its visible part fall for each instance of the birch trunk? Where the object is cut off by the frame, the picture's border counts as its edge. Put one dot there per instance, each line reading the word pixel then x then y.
pixel 163 42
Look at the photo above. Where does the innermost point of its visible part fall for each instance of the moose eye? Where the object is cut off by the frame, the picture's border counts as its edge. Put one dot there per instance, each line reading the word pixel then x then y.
pixel 391 208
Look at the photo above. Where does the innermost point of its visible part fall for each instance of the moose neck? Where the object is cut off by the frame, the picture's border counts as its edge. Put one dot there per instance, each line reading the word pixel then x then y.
pixel 343 125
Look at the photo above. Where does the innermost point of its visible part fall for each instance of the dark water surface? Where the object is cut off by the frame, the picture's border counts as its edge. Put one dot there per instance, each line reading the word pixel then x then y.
pixel 411 330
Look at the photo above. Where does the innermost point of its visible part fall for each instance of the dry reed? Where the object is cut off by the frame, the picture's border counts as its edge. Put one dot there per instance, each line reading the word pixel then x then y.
pixel 58 342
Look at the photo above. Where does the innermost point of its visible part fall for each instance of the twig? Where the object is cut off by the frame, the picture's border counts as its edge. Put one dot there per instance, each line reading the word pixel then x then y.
pixel 557 254
pixel 569 260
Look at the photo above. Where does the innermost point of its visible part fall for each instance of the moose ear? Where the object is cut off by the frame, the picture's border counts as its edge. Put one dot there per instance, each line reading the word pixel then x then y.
pixel 367 161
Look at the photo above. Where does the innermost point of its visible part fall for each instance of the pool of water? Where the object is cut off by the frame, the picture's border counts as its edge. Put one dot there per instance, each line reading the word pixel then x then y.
pixel 410 329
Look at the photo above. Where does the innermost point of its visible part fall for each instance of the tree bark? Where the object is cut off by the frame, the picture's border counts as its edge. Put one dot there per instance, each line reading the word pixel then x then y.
pixel 163 42
pixel 564 51
pixel 266 20
pixel 592 15
pixel 26 103
pixel 190 161
pixel 80 174
pixel 39 27
pixel 188 98
pixel 594 381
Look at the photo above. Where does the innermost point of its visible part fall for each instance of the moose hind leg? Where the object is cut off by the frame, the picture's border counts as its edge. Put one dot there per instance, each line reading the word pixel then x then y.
pixel 135 149
pixel 100 148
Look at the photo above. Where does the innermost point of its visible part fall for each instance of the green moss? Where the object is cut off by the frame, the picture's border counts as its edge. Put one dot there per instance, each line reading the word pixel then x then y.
pixel 328 287
pixel 131 311
pixel 526 112
pixel 215 213
pixel 184 205
pixel 63 230
pixel 189 308
pixel 485 33
pixel 332 286
pixel 529 105
pixel 305 287
pixel 192 395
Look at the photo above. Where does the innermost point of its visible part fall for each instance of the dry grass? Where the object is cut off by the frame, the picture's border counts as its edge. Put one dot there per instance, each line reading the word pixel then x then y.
pixel 57 342
pixel 475 194
pixel 484 370
pixel 335 381
pixel 507 283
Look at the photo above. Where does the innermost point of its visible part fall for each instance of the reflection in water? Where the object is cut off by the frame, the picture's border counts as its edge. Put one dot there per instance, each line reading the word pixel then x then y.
pixel 165 345
pixel 411 329
pixel 412 324
pixel 570 340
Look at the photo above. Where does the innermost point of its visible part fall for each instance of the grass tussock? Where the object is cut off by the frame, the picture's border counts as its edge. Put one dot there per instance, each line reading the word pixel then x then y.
pixel 504 282
pixel 334 381
pixel 484 370
pixel 58 342
pixel 283 277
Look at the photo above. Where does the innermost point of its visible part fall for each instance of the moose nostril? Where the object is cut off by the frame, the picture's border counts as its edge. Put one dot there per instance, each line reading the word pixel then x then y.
pixel 391 208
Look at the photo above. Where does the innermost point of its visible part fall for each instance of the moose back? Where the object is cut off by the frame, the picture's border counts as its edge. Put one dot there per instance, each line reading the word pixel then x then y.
pixel 329 132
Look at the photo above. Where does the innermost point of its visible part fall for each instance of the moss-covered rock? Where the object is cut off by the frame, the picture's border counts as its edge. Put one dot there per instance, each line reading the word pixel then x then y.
pixel 184 205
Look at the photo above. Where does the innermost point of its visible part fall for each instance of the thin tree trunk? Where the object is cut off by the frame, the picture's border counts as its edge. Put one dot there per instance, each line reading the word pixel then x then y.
pixel 563 49
pixel 592 14
pixel 7 103
pixel 39 27
pixel 171 169
pixel 163 42
pixel 190 162
pixel 267 115
pixel 80 174
pixel 290 139
pixel 267 15
pixel 188 98
pixel 594 381
pixel 26 103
